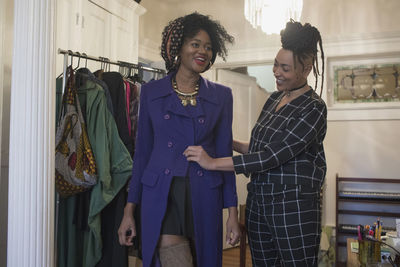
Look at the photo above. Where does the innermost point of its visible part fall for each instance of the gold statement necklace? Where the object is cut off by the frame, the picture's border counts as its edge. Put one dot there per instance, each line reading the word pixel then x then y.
pixel 186 98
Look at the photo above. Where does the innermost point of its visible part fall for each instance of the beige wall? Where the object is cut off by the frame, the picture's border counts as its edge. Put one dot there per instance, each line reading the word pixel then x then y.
pixel 348 18
pixel 6 24
pixel 360 149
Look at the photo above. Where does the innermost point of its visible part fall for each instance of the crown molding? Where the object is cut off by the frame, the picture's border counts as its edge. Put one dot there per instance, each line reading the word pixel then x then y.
pixel 362 44
pixel 334 46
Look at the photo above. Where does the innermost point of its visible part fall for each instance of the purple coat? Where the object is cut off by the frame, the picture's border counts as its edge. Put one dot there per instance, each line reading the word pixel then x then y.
pixel 165 130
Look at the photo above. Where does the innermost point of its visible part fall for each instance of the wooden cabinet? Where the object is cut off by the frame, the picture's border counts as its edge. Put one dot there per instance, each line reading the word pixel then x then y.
pixel 362 201
pixel 101 28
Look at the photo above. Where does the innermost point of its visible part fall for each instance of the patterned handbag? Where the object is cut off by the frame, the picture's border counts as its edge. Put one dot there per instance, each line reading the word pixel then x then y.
pixel 74 160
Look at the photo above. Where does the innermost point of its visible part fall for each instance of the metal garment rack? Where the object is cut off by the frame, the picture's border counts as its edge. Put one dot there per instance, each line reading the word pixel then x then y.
pixel 108 61
pixel 105 61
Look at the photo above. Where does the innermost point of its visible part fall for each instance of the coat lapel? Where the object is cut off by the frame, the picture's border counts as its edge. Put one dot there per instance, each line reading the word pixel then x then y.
pixel 207 93
pixel 172 102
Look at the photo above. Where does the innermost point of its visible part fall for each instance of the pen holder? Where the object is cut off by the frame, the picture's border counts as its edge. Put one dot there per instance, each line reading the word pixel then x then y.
pixel 368 252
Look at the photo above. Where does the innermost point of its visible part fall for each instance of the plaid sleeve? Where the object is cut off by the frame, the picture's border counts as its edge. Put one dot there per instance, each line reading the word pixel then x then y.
pixel 296 137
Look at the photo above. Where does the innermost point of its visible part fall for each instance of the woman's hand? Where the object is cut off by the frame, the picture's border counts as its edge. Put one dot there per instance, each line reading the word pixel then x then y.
pixel 199 155
pixel 239 146
pixel 127 229
pixel 232 228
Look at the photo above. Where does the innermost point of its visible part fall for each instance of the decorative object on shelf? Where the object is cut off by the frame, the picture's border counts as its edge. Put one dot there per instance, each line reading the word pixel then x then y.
pixel 271 15
pixel 367 83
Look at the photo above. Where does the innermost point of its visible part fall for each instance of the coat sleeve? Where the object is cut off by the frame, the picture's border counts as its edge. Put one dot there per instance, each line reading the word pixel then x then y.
pixel 144 146
pixel 224 148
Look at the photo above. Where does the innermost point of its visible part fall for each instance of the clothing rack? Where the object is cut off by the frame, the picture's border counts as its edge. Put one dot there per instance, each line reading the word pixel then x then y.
pixel 108 61
pixel 105 61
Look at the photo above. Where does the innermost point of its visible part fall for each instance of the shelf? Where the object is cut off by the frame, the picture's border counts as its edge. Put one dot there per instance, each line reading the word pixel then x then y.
pixel 353 198
pixel 367 180
pixel 352 229
pixel 369 213
pixel 369 200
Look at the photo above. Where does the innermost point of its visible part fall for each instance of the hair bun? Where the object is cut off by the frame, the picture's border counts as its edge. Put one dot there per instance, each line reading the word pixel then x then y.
pixel 300 38
pixel 303 41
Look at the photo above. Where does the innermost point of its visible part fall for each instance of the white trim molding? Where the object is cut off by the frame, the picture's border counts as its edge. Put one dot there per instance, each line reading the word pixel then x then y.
pixel 32 134
pixel 362 49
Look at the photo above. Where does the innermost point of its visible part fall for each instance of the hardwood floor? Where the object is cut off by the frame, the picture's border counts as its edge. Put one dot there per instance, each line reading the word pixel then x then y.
pixel 230 257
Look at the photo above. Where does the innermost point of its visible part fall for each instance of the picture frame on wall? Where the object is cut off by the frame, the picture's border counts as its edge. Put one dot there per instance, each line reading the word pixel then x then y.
pixel 363 87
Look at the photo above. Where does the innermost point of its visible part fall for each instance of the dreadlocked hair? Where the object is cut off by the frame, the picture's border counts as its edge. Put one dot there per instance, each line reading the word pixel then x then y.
pixel 178 30
pixel 303 41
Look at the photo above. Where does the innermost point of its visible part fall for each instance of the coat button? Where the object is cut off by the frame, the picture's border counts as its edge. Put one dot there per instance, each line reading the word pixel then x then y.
pixel 170 144
pixel 167 171
pixel 200 173
pixel 201 120
pixel 166 117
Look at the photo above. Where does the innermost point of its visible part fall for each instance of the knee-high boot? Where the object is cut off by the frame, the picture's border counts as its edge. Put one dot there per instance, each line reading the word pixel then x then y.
pixel 176 255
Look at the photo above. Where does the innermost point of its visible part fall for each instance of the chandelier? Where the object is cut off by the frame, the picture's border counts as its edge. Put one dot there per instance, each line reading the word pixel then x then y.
pixel 272 15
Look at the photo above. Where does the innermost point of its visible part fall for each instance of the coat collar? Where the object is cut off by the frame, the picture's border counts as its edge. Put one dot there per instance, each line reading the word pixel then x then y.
pixel 207 90
pixel 163 89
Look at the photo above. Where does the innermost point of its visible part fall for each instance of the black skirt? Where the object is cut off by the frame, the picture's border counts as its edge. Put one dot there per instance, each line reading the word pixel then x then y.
pixel 178 219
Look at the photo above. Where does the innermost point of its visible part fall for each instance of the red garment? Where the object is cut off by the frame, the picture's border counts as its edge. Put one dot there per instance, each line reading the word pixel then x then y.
pixel 128 96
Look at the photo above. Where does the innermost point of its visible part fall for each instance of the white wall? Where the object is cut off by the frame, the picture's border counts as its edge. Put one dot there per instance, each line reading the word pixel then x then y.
pixel 360 149
pixel 6 34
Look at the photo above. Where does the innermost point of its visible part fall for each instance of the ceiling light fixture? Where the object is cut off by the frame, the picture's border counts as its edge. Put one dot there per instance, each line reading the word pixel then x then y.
pixel 271 15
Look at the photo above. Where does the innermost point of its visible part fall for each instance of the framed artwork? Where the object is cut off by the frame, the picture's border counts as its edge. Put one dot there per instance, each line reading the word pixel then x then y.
pixel 367 83
pixel 364 87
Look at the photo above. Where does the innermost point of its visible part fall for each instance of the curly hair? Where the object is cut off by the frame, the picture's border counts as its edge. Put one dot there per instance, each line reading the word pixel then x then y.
pixel 303 41
pixel 188 26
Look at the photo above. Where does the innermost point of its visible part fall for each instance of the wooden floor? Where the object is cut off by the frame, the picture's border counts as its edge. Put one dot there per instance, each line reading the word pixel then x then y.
pixel 230 257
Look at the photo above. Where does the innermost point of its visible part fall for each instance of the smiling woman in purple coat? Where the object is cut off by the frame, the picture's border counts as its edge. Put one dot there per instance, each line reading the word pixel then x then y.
pixel 181 202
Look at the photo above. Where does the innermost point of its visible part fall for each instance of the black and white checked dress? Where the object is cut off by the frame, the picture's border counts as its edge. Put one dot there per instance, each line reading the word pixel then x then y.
pixel 286 163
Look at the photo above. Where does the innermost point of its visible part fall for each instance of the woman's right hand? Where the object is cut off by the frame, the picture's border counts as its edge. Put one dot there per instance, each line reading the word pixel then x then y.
pixel 199 155
pixel 127 229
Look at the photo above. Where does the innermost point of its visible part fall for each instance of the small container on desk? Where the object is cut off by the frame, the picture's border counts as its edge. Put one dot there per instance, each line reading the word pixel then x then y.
pixel 369 252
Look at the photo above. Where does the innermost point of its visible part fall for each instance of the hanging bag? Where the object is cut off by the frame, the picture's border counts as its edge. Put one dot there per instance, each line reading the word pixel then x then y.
pixel 74 160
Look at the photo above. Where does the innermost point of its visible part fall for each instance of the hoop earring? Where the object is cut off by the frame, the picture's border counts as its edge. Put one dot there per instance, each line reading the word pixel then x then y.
pixel 176 59
pixel 209 65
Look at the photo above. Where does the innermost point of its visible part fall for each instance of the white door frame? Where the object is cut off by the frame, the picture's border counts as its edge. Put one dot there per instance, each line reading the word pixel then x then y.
pixel 2 23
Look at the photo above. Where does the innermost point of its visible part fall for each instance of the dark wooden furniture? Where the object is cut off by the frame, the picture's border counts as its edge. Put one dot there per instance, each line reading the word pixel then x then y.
pixel 362 201
pixel 243 239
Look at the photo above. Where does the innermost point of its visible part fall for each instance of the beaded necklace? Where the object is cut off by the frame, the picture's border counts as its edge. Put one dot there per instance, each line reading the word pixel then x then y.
pixel 186 98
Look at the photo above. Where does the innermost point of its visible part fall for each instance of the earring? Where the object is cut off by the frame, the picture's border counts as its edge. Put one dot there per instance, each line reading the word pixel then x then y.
pixel 176 59
pixel 209 65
